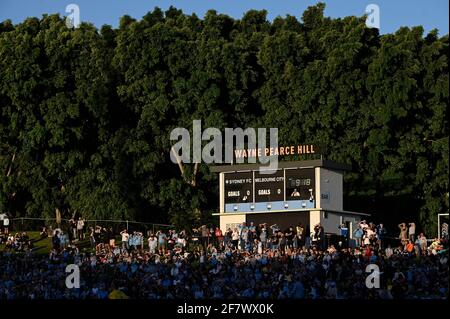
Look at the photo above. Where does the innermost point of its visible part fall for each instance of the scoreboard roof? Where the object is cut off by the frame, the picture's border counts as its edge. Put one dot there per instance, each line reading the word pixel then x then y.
pixel 296 164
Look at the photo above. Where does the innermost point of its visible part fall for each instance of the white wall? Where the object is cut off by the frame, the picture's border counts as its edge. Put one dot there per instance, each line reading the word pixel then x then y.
pixel 333 220
pixel 314 219
pixel 317 186
pixel 227 221
pixel 354 221
pixel 331 223
pixel 331 186
pixel 222 192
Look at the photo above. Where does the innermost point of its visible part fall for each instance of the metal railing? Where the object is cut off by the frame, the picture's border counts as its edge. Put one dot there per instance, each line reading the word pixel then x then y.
pixel 37 224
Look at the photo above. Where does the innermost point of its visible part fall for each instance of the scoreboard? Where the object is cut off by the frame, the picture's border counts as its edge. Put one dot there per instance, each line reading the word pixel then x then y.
pixel 269 187
pixel 300 183
pixel 239 187
pixel 282 189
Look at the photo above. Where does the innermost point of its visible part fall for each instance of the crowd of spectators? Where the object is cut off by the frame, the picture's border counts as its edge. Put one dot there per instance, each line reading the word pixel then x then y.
pixel 247 261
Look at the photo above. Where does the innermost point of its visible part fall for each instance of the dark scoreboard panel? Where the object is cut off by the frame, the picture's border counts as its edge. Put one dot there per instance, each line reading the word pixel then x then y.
pixel 299 183
pixel 269 187
pixel 238 187
pixel 257 187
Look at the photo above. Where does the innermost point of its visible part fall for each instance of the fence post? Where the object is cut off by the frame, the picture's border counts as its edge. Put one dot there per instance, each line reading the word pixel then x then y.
pixel 127 225
pixel 21 219
pixel 439 226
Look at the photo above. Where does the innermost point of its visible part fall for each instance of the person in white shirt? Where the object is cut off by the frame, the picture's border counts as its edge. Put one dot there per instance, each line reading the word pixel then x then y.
pixel 370 235
pixel 80 227
pixel 6 224
pixel 125 237
pixel 235 237
pixel 411 231
pixel 152 244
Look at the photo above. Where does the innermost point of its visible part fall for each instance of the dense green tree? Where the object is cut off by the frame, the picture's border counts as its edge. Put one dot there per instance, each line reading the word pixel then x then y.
pixel 86 114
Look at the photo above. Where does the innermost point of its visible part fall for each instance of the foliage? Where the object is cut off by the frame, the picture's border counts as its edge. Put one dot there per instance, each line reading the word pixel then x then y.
pixel 86 114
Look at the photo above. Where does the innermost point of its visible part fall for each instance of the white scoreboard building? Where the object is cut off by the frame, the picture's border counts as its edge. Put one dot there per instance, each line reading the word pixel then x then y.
pixel 308 192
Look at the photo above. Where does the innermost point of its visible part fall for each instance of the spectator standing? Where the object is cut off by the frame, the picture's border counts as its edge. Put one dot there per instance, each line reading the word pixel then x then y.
pixel 422 243
pixel 152 244
pixel 182 238
pixel 111 238
pixel 104 236
pixel 80 228
pixel 162 241
pixel 358 233
pixel 263 237
pixel 363 224
pixel 368 235
pixel 205 234
pixel 321 239
pixel 6 224
pixel 235 238
pixel 412 231
pixel 317 236
pixel 244 237
pixel 97 235
pixel 274 241
pixel 252 230
pixel 139 240
pixel 211 236
pixel 92 237
pixel 170 240
pixel 381 233
pixel 132 241
pixel 275 229
pixel 409 247
pixel 289 234
pixel 63 240
pixel 125 237
pixel 403 233
pixel 282 242
pixel 300 234
pixel 227 237
pixel 219 237
pixel 195 237
pixel 56 240
pixel 74 229
pixel 250 240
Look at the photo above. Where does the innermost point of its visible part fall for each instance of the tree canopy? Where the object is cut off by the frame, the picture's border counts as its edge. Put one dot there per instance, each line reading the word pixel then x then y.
pixel 86 113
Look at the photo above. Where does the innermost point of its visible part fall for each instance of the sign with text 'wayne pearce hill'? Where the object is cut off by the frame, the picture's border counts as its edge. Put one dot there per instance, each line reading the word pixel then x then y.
pixel 278 151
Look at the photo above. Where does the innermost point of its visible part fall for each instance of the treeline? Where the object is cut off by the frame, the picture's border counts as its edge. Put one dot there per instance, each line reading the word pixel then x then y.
pixel 86 113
